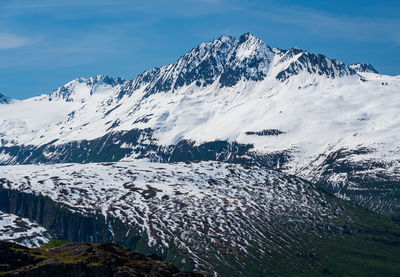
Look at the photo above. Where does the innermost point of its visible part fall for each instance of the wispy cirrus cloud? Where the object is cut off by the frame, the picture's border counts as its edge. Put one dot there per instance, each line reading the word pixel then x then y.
pixel 10 41
pixel 159 8
pixel 54 4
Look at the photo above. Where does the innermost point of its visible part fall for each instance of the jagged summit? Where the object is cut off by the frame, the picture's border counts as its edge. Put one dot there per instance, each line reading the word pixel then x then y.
pixel 224 62
pixel 81 88
pixel 227 61
pixel 363 67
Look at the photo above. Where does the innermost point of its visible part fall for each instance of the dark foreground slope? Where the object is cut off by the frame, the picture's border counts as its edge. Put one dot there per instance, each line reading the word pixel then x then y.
pixel 76 260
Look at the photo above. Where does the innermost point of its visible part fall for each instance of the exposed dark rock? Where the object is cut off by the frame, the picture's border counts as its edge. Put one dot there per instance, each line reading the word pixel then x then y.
pixel 268 132
pixel 109 148
pixel 66 92
pixel 365 181
pixel 82 259
pixel 313 64
pixel 363 67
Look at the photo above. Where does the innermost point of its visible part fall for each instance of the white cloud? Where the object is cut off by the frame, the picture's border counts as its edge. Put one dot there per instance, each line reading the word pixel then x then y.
pixel 54 4
pixel 9 41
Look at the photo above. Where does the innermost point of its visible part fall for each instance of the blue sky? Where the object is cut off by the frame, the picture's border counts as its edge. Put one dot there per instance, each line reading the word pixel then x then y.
pixel 46 43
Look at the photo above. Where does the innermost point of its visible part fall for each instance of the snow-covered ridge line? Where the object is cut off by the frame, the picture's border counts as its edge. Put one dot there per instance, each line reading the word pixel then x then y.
pixel 363 67
pixel 82 88
pixel 227 61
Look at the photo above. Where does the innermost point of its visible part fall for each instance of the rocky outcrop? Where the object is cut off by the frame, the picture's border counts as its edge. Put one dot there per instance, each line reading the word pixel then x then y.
pixel 113 147
pixel 82 259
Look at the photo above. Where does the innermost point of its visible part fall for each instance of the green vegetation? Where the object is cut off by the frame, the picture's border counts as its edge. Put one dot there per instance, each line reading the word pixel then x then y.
pixel 82 259
pixel 54 243
pixel 367 245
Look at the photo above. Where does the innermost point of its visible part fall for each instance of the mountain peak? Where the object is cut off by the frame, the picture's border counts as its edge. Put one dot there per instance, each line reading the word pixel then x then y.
pixel 363 67
pixel 225 59
pixel 296 61
pixel 99 79
pixel 228 61
pixel 224 38
pixel 81 88
pixel 251 42
pixel 247 36
pixel 250 60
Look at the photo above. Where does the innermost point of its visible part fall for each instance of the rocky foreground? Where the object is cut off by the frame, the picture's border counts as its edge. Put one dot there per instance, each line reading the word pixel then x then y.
pixel 82 259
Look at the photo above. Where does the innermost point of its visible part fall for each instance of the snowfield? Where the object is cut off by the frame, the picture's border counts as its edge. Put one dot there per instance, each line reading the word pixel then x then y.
pixel 22 231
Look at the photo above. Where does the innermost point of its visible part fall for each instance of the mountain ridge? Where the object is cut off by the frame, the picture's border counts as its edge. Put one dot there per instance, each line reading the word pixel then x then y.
pixel 226 52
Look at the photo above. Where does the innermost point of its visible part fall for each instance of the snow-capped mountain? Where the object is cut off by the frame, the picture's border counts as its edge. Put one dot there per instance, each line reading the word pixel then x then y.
pixel 82 88
pixel 226 61
pixel 236 100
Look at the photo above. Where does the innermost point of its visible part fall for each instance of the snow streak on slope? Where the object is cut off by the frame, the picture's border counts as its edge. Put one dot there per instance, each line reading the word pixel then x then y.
pixel 205 208
pixel 22 231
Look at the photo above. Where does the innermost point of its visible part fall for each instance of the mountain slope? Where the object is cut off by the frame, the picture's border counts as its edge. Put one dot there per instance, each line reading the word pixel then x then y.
pixel 223 218
pixel 236 100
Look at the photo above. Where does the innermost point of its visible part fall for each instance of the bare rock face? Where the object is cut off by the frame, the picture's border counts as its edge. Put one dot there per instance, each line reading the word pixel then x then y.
pixel 82 259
